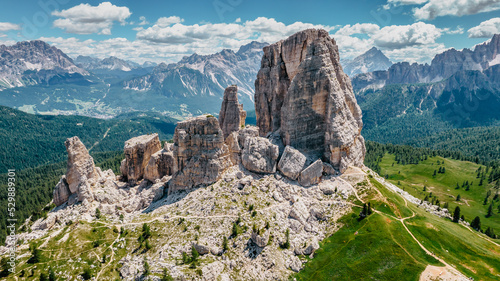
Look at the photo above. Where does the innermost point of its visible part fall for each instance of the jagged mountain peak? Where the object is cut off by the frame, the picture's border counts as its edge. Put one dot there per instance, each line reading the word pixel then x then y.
pixel 371 60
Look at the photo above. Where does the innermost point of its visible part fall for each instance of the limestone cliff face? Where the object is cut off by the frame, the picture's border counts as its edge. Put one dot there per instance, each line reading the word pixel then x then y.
pixel 231 116
pixel 302 91
pixel 200 155
pixel 80 164
pixel 138 152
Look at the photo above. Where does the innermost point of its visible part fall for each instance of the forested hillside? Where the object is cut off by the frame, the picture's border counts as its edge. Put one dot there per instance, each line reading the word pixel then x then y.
pixel 31 140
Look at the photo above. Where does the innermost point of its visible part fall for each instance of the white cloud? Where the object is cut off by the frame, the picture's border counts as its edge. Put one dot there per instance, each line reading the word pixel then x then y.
pixel 172 31
pixel 358 28
pixel 143 20
pixel 412 43
pixel 407 2
pixel 168 21
pixel 86 19
pixel 486 29
pixel 6 26
pixel 402 36
pixel 436 8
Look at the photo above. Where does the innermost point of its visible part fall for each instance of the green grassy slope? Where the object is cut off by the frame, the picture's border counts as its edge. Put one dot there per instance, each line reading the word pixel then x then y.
pixel 412 179
pixel 379 248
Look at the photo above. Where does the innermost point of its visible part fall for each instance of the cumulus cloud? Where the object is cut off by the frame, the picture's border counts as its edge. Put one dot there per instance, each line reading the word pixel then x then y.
pixel 358 28
pixel 436 8
pixel 6 26
pixel 143 20
pixel 168 21
pixel 171 31
pixel 486 29
pixel 401 36
pixel 413 43
pixel 87 19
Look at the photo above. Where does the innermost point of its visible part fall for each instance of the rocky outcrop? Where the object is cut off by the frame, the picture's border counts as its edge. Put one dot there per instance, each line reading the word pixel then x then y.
pixel 312 174
pixel 302 91
pixel 80 166
pixel 61 192
pixel 231 116
pixel 260 238
pixel 292 162
pixel 200 155
pixel 248 131
pixel 160 164
pixel 138 152
pixel 259 155
pixel 234 148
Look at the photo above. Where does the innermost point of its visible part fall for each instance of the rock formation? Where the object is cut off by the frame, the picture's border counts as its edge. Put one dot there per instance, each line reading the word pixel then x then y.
pixel 302 91
pixel 138 151
pixel 161 164
pixel 80 164
pixel 292 162
pixel 312 174
pixel 61 192
pixel 200 155
pixel 259 155
pixel 231 116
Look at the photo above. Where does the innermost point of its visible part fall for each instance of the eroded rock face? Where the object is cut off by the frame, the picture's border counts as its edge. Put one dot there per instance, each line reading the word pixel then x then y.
pixel 231 116
pixel 200 155
pixel 292 162
pixel 138 152
pixel 160 164
pixel 234 148
pixel 80 164
pixel 302 91
pixel 259 155
pixel 61 192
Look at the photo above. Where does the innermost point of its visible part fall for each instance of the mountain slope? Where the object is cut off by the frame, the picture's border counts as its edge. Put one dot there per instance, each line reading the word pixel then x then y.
pixel 370 61
pixel 35 62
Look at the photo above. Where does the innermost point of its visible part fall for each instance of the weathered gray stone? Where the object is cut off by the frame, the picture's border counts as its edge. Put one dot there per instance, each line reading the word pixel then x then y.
pixel 200 154
pixel 312 174
pixel 292 162
pixel 160 164
pixel 261 240
pixel 138 151
pixel 80 164
pixel 61 192
pixel 259 155
pixel 201 249
pixel 299 212
pixel 231 116
pixel 302 91
pixel 248 131
pixel 234 148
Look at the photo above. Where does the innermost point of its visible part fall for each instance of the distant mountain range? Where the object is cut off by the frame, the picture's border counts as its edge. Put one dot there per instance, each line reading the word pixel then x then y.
pixel 370 61
pixel 204 75
pixel 443 66
pixel 112 63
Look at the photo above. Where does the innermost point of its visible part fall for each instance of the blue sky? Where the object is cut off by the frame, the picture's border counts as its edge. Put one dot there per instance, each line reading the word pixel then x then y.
pixel 405 30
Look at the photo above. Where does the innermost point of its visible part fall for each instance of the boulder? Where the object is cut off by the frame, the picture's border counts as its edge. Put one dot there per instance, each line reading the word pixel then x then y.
pixel 200 155
pixel 299 212
pixel 231 116
pixel 302 91
pixel 312 174
pixel 260 239
pixel 138 152
pixel 201 249
pixel 328 169
pixel 80 164
pixel 61 192
pixel 160 164
pixel 85 191
pixel 248 131
pixel 259 155
pixel 292 162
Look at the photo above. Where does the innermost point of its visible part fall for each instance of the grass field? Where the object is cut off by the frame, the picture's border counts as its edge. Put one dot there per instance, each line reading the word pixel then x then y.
pixel 412 178
pixel 379 248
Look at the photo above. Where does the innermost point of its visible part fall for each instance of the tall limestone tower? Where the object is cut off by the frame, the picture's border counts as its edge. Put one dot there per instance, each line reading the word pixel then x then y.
pixel 302 93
